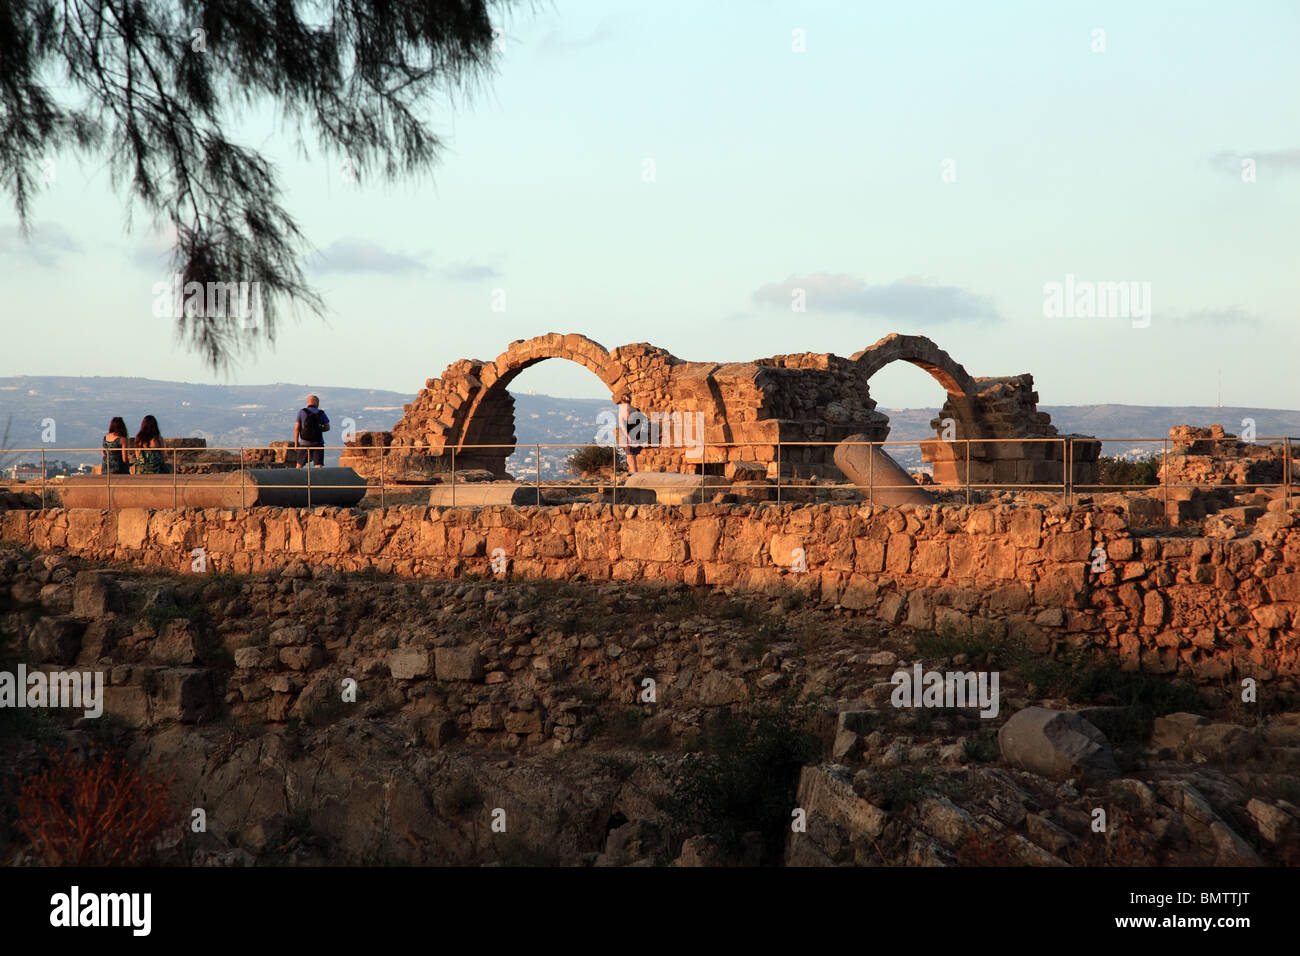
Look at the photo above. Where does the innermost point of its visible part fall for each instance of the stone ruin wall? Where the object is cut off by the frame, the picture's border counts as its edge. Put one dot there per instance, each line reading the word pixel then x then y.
pixel 750 406
pixel 1215 458
pixel 1225 605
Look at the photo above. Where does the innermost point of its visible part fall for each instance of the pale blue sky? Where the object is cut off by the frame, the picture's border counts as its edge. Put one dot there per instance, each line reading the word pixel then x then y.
pixel 774 169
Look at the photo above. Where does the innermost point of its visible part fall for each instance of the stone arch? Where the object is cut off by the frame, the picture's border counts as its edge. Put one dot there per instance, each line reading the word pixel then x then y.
pixel 745 408
pixel 487 417
pixel 924 354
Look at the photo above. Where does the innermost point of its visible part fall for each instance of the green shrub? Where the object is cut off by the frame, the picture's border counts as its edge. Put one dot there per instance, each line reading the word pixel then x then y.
pixel 1119 471
pixel 982 749
pixel 981 644
pixel 744 774
pixel 596 459
pixel 1083 677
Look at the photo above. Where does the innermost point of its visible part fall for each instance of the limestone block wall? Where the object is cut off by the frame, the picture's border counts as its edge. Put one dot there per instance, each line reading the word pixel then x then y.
pixel 1214 607
pixel 1007 408
pixel 1211 456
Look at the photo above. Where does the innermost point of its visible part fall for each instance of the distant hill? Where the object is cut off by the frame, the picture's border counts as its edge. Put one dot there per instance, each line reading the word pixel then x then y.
pixel 223 414
pixel 239 415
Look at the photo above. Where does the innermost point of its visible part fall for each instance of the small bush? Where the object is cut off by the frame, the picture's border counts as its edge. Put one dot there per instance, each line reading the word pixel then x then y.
pixel 745 773
pixel 1119 471
pixel 981 749
pixel 596 460
pixel 901 787
pixel 793 600
pixel 742 611
pixel 1081 677
pixel 95 812
pixel 982 644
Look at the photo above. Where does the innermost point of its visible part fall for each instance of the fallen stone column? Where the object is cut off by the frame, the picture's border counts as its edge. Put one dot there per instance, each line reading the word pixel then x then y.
pixel 273 487
pixel 672 488
pixel 483 494
pixel 865 465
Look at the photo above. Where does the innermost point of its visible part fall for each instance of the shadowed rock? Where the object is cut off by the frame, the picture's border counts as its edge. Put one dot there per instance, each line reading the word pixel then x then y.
pixel 1057 744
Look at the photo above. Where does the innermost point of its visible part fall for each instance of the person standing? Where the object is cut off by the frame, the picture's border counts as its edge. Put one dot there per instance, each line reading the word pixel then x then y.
pixel 632 444
pixel 309 433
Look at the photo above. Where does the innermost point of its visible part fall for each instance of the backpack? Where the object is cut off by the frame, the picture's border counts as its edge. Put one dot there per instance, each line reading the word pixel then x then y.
pixel 310 431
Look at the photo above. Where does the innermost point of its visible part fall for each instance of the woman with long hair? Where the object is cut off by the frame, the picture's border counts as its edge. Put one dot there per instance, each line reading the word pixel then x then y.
pixel 149 459
pixel 115 448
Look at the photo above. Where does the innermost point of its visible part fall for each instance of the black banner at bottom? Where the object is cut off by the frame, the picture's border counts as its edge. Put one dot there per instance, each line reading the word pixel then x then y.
pixel 339 905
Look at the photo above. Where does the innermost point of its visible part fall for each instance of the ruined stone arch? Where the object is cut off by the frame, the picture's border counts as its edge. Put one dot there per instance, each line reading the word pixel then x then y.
pixel 807 401
pixel 917 350
pixel 488 416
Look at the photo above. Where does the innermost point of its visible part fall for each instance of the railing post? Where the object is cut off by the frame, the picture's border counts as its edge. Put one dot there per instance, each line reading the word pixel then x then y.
pixel 42 479
pixel 108 481
pixel 704 462
pixel 613 494
pixel 778 471
pixel 1164 469
pixel 1065 470
pixel 1069 470
pixel 243 499
pixel 308 469
pixel 967 471
pixel 382 482
pixel 871 472
pixel 175 479
pixel 453 476
pixel 538 450
pixel 1286 464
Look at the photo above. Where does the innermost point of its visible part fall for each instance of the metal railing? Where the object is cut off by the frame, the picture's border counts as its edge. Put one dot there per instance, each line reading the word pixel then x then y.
pixel 389 480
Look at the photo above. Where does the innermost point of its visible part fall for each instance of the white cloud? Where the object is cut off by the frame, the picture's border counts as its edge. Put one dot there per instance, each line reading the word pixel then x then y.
pixel 46 243
pixel 911 298
pixel 359 255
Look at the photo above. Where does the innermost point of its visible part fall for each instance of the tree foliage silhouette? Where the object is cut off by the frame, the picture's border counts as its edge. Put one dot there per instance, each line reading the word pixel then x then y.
pixel 155 85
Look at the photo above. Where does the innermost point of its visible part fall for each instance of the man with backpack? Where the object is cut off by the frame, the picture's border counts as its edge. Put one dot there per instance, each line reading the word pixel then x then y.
pixel 309 433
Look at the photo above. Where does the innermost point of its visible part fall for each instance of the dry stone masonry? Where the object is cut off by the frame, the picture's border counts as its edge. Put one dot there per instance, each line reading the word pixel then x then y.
pixel 1222 605
pixel 813 400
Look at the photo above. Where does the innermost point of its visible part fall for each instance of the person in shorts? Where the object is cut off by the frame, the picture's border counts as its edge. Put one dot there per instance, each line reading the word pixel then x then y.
pixel 309 434
pixel 632 443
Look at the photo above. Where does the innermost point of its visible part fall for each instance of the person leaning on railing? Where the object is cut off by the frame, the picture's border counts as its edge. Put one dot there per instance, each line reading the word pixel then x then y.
pixel 115 448
pixel 148 456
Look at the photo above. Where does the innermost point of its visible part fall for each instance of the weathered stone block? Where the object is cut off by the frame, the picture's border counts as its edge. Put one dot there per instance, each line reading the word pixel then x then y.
pixel 406 663
pixel 56 640
pixel 458 663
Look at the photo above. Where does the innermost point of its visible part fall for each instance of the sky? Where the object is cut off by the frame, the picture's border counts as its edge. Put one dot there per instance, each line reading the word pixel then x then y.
pixel 733 180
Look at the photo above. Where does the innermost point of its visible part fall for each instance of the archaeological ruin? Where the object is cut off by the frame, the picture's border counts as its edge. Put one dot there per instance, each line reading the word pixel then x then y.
pixel 807 401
